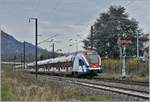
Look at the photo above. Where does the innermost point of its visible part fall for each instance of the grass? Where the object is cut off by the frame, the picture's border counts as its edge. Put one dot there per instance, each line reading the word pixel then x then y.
pixel 19 86
pixel 5 91
pixel 135 70
pixel 76 94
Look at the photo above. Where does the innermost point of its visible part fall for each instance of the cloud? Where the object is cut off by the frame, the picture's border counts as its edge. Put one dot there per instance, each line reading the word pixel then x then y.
pixel 64 17
pixel 140 11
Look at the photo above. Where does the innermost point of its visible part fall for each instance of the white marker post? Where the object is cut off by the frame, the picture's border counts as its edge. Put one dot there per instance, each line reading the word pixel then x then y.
pixel 124 43
pixel 123 63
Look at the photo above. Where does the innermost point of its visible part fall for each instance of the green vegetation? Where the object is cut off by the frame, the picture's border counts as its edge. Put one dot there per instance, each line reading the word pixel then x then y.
pixel 76 94
pixel 108 28
pixel 5 91
pixel 135 69
pixel 19 86
pixel 112 25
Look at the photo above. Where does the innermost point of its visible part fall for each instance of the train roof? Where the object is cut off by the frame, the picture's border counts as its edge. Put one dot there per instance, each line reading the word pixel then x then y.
pixel 58 59
pixel 53 60
pixel 18 66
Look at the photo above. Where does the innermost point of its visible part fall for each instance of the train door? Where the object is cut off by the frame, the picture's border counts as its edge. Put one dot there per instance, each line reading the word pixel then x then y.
pixel 76 64
pixel 82 67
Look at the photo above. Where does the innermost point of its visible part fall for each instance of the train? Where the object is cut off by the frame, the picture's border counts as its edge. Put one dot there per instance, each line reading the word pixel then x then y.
pixel 80 63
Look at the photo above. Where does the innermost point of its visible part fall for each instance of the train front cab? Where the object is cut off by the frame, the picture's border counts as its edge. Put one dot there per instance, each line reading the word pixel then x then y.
pixel 93 61
pixel 87 69
pixel 86 63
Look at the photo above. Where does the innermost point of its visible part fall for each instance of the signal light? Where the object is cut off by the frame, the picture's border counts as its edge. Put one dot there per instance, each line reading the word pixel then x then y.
pixel 125 42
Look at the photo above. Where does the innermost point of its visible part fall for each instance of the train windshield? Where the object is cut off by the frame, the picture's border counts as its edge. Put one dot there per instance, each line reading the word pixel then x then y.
pixel 93 58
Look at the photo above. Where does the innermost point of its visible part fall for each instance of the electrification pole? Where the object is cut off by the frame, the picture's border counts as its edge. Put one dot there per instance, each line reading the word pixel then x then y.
pixel 24 59
pixel 53 54
pixel 137 40
pixel 14 62
pixel 76 45
pixel 120 49
pixel 36 34
pixel 21 59
pixel 53 51
pixel 91 37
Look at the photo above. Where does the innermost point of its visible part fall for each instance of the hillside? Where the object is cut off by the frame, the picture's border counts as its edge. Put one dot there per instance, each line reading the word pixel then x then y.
pixel 11 48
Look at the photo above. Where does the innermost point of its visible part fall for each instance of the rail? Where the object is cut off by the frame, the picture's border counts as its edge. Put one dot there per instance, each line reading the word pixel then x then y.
pixel 124 91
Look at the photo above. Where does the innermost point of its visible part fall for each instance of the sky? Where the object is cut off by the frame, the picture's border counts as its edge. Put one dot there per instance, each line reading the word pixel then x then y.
pixel 64 18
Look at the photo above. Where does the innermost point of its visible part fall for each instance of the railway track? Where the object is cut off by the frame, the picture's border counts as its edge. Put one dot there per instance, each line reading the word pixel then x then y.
pixel 114 80
pixel 131 82
pixel 128 92
pixel 135 94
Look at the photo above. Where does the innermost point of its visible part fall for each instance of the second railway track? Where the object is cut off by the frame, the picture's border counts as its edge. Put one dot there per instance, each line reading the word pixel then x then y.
pixel 131 82
pixel 114 80
pixel 126 92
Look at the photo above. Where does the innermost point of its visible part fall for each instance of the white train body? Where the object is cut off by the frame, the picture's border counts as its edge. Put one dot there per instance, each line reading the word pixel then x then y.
pixel 82 62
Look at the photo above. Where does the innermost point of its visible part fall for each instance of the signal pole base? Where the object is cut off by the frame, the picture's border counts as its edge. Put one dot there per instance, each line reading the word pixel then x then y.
pixel 122 77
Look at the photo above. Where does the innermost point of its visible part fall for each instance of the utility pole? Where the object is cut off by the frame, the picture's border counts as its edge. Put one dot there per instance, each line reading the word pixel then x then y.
pixel 24 59
pixel 53 51
pixel 91 37
pixel 120 50
pixel 137 40
pixel 21 59
pixel 76 45
pixel 137 52
pixel 36 34
pixel 14 62
pixel 53 54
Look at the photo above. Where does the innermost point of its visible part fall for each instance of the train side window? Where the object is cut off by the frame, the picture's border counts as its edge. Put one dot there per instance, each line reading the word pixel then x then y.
pixel 81 63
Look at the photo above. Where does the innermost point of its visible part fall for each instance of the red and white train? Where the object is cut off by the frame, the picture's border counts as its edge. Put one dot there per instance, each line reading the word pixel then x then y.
pixel 83 62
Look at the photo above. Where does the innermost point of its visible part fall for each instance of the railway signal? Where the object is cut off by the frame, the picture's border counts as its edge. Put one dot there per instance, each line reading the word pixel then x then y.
pixel 123 42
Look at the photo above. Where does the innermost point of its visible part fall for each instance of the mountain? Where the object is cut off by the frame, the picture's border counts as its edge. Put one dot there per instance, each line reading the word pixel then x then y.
pixel 12 48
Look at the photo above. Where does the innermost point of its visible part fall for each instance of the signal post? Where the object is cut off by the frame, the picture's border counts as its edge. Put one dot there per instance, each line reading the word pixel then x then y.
pixel 123 43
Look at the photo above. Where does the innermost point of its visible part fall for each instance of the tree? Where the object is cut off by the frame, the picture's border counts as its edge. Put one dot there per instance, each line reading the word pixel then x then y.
pixel 111 26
